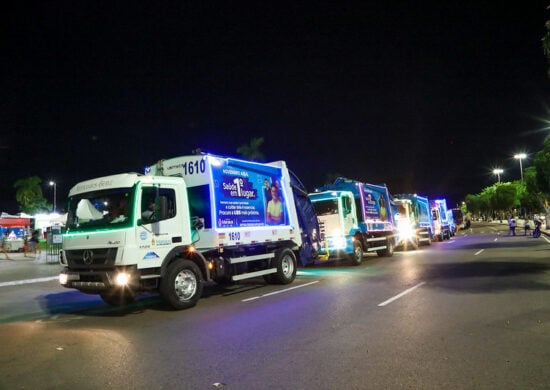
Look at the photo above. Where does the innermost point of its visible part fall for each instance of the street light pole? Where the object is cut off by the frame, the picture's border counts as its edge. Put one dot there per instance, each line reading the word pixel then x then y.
pixel 520 156
pixel 498 171
pixel 54 184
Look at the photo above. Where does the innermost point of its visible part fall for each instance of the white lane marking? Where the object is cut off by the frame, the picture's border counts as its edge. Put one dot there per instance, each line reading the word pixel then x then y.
pixel 279 291
pixel 547 240
pixel 28 281
pixel 478 252
pixel 401 294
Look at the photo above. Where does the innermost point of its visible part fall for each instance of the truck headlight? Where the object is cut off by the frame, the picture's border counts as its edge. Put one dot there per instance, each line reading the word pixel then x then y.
pixel 122 279
pixel 63 279
pixel 406 231
pixel 338 240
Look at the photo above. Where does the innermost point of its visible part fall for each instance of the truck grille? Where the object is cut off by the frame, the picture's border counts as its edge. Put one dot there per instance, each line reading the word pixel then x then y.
pixel 86 258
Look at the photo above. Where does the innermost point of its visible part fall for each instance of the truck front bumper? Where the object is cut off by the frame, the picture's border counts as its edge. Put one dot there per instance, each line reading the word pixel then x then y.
pixel 98 281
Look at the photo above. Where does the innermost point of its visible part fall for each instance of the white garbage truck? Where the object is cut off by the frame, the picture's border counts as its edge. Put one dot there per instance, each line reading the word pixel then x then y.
pixel 187 220
pixel 355 218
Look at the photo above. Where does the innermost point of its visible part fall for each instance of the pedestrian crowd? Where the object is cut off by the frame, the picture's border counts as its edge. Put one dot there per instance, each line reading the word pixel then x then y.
pixel 31 245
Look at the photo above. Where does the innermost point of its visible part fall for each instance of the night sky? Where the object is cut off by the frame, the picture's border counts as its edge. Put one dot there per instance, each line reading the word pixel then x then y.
pixel 426 97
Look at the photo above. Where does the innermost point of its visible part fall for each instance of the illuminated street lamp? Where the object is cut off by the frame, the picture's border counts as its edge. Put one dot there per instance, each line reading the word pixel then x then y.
pixel 498 171
pixel 520 156
pixel 53 183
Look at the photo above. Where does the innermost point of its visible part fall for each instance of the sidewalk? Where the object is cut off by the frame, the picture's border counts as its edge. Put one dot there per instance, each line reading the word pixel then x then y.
pixel 28 268
pixel 38 258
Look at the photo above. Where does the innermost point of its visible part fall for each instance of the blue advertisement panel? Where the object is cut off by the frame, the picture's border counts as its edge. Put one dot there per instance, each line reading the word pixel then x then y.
pixel 248 194
pixel 376 204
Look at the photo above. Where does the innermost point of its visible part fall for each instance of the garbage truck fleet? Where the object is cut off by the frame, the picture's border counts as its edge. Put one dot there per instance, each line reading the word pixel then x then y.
pixel 200 218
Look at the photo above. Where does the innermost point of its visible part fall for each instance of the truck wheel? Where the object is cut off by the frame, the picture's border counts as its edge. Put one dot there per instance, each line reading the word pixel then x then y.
pixel 415 243
pixel 388 252
pixel 181 287
pixel 117 297
pixel 357 256
pixel 285 262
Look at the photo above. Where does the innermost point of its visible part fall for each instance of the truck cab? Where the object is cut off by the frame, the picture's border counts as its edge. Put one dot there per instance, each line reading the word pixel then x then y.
pixel 337 217
pixel 442 225
pixel 413 219
pixel 405 222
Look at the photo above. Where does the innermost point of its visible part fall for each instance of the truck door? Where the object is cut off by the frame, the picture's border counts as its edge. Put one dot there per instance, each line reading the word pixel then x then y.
pixel 159 227
pixel 349 214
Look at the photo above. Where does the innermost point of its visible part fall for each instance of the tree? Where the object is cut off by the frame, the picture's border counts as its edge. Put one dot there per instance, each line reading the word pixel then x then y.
pixel 29 195
pixel 529 197
pixel 542 182
pixel 506 197
pixel 546 42
pixel 473 203
pixel 542 166
pixel 252 151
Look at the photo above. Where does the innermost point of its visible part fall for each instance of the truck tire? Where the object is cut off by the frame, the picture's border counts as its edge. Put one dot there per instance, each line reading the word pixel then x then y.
pixel 117 297
pixel 356 256
pixel 286 264
pixel 388 252
pixel 416 242
pixel 181 287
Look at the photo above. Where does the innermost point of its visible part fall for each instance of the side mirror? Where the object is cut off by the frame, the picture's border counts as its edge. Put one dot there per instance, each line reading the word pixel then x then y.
pixel 196 223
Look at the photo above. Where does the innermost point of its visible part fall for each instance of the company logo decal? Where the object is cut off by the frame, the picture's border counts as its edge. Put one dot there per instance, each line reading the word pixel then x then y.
pixel 150 255
pixel 88 257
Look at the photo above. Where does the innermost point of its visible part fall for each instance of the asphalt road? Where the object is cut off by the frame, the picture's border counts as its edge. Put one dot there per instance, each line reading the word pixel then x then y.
pixel 469 313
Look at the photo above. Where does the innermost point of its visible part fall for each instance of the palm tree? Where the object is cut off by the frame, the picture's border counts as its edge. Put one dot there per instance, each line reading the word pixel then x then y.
pixel 252 151
pixel 29 195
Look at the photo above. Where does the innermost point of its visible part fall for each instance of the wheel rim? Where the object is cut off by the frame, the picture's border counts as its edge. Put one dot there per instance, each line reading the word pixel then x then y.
pixel 287 266
pixel 185 285
pixel 358 253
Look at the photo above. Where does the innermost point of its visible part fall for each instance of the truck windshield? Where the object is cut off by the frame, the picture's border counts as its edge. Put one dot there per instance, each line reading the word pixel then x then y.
pixel 105 209
pixel 326 207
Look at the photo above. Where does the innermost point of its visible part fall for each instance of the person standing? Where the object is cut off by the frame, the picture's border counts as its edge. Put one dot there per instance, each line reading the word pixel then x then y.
pixel 34 242
pixel 5 245
pixel 25 246
pixel 512 225
pixel 526 228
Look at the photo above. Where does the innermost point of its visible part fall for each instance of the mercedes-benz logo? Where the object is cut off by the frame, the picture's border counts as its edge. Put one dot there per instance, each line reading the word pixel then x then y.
pixel 88 257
